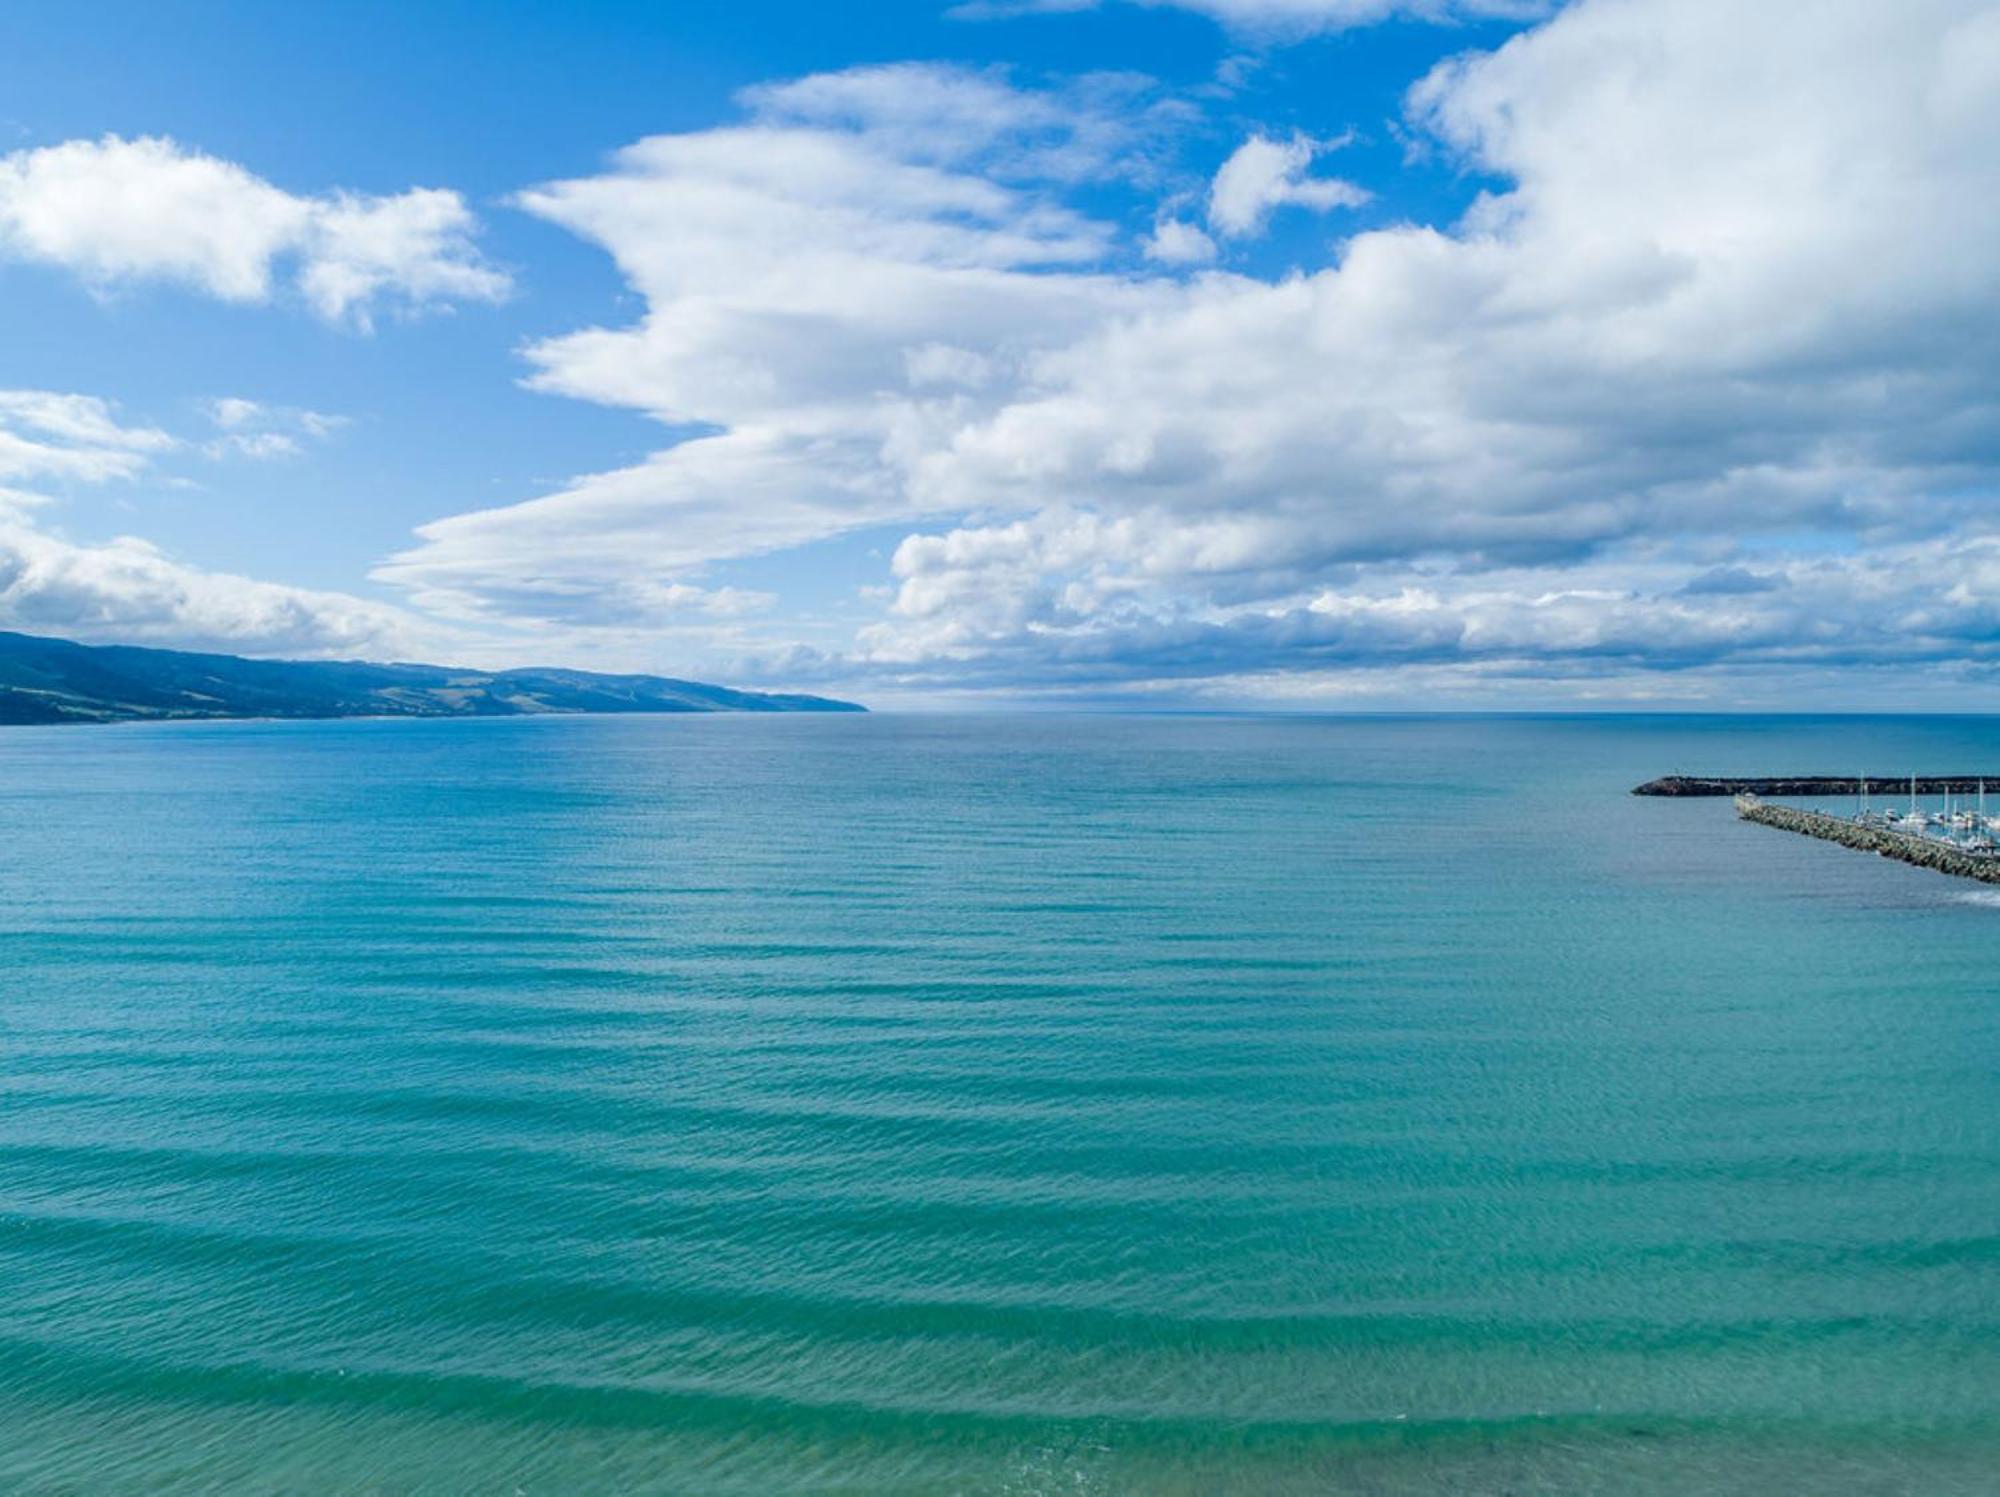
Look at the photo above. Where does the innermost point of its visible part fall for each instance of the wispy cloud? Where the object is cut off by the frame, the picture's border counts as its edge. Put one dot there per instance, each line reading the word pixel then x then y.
pixel 48 435
pixel 1282 19
pixel 252 429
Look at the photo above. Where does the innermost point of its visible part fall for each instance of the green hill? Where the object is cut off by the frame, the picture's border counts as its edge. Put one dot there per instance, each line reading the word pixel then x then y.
pixel 57 681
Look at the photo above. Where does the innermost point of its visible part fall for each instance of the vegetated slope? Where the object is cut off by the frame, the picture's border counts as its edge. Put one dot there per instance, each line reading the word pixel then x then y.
pixel 56 681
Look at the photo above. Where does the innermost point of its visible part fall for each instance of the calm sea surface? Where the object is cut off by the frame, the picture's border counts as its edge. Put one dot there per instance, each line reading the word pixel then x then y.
pixel 1011 1105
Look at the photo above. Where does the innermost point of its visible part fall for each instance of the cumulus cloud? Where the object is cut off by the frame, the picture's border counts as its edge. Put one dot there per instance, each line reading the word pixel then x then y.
pixel 1175 241
pixel 1265 174
pixel 1733 308
pixel 1779 323
pixel 116 211
pixel 127 591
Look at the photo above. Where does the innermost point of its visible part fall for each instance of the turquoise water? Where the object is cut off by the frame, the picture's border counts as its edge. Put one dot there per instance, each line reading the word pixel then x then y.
pixel 1027 1105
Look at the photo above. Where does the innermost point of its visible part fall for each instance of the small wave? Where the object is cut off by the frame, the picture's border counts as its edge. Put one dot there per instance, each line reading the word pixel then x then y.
pixel 1985 898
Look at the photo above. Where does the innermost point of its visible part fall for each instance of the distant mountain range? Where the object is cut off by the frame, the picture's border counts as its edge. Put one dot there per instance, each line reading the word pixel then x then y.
pixel 57 681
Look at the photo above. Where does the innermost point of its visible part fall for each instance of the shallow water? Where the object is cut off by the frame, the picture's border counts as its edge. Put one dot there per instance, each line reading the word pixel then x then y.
pixel 1023 1105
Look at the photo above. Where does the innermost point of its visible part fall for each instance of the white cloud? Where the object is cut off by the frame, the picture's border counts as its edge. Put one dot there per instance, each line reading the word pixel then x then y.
pixel 836 295
pixel 233 412
pixel 414 250
pixel 1734 313
pixel 126 591
pixel 254 430
pixel 614 549
pixel 1097 125
pixel 990 608
pixel 1176 242
pixel 1777 322
pixel 1265 174
pixel 1309 17
pixel 115 211
pixel 259 445
pixel 45 435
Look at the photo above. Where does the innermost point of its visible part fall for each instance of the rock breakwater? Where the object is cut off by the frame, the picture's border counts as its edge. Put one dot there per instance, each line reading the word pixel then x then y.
pixel 1924 852
pixel 1814 784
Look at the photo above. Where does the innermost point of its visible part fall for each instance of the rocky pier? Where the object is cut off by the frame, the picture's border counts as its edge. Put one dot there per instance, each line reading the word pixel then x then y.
pixel 1815 784
pixel 1924 852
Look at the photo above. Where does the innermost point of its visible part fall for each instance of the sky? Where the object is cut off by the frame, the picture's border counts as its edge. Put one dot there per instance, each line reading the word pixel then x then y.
pixel 1175 354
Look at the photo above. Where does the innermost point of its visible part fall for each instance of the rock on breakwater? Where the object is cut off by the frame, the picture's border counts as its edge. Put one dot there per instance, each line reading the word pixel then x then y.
pixel 1921 851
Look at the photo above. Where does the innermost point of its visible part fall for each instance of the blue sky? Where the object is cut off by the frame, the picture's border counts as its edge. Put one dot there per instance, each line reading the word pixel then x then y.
pixel 1206 352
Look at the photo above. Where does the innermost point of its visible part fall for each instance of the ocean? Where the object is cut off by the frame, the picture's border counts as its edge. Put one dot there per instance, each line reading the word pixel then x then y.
pixel 1028 1104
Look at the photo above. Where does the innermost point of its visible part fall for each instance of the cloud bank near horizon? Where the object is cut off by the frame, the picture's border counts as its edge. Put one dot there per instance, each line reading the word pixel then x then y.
pixel 1696 395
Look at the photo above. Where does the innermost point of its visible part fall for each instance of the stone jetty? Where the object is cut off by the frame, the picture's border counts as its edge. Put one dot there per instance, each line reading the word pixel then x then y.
pixel 1816 784
pixel 1924 852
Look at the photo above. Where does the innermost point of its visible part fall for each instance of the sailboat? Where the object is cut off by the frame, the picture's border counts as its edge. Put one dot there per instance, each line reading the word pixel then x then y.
pixel 1911 821
pixel 1981 841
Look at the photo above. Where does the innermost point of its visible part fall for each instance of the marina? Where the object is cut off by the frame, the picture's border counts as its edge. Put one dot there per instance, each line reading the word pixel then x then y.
pixel 1957 838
